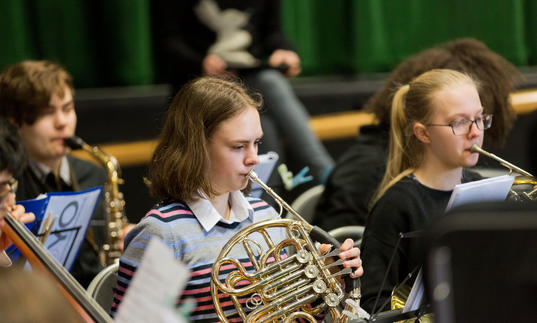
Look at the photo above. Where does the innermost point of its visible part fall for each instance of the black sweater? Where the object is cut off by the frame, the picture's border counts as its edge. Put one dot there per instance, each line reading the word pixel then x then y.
pixel 356 176
pixel 407 206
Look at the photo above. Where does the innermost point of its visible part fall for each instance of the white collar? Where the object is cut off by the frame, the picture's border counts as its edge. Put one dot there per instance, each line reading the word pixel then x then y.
pixel 208 217
pixel 42 170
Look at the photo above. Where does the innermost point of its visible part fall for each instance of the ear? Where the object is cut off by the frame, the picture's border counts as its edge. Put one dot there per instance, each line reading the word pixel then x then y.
pixel 421 132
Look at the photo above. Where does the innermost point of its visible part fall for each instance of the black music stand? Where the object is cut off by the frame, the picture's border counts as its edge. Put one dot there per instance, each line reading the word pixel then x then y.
pixel 398 314
pixel 482 264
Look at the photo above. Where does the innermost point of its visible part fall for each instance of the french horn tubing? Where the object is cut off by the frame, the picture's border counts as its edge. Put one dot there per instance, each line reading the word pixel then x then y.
pixel 525 178
pixel 279 281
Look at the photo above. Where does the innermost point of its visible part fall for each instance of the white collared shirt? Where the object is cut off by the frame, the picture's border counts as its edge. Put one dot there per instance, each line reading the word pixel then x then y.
pixel 42 170
pixel 208 217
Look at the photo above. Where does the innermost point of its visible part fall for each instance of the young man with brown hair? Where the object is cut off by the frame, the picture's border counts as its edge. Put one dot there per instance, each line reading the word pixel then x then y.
pixel 37 97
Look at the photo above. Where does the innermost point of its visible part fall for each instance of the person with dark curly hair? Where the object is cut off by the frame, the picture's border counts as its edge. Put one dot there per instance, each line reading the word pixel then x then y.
pixel 358 172
pixel 12 162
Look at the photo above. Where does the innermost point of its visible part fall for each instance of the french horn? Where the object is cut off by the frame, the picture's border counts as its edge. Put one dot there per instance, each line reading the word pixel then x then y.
pixel 524 178
pixel 289 280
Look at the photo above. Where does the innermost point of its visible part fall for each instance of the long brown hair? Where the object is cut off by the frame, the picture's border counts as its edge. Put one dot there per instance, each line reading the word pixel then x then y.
pixel 413 103
pixel 179 166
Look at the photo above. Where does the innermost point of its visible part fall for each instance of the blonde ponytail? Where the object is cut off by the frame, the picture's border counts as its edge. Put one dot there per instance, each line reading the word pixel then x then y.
pixel 397 142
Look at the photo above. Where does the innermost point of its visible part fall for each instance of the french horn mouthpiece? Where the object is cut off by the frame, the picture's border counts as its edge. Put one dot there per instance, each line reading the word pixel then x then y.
pixel 475 148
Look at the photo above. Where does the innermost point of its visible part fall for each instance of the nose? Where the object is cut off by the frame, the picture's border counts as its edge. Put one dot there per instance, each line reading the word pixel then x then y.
pixel 474 130
pixel 61 119
pixel 251 158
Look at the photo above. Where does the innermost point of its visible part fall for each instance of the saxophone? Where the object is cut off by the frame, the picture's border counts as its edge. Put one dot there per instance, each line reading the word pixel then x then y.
pixel 113 199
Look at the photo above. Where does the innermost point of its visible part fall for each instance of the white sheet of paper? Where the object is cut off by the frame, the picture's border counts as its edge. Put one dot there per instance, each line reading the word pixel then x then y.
pixel 485 190
pixel 263 170
pixel 153 291
pixel 416 294
pixel 73 212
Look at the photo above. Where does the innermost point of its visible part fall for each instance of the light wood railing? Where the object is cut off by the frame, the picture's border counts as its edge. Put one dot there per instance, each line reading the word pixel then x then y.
pixel 327 127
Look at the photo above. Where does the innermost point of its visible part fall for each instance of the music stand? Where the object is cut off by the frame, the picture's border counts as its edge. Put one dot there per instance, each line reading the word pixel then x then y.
pixel 482 264
pixel 397 314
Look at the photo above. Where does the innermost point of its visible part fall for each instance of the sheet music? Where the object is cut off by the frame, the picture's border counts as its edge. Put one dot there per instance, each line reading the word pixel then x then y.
pixel 485 190
pixel 72 212
pixel 416 294
pixel 263 170
pixel 153 291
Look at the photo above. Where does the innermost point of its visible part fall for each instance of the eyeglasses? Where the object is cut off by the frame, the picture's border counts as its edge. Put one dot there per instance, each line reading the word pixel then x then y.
pixel 464 127
pixel 6 187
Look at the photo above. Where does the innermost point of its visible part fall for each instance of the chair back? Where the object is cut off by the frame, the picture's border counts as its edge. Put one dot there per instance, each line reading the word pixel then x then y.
pixel 355 232
pixel 102 286
pixel 306 202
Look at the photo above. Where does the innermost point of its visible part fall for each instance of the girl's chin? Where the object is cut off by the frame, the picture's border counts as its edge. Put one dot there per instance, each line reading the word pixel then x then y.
pixel 243 186
pixel 471 161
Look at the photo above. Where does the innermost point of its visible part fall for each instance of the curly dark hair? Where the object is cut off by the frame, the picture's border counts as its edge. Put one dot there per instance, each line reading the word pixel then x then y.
pixel 497 77
pixel 12 152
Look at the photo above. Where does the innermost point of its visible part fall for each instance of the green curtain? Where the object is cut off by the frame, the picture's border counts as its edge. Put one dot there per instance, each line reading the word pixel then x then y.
pixel 362 36
pixel 531 30
pixel 127 26
pixel 101 43
pixel 63 33
pixel 16 42
pixel 108 43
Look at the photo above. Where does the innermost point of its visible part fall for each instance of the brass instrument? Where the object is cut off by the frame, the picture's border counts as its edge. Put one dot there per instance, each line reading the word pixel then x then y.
pixel 398 301
pixel 524 178
pixel 113 199
pixel 282 287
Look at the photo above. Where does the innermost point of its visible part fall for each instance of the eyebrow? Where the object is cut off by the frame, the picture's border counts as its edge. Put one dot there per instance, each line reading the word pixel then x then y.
pixel 64 105
pixel 245 141
pixel 68 103
pixel 464 115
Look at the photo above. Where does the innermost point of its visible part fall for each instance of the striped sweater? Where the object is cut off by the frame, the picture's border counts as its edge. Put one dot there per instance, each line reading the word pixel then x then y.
pixel 176 225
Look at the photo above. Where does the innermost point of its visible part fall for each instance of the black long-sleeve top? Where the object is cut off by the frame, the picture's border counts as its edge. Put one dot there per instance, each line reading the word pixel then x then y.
pixel 407 206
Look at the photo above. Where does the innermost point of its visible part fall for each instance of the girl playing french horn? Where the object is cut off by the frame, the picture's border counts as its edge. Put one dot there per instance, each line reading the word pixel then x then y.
pixel 435 119
pixel 207 148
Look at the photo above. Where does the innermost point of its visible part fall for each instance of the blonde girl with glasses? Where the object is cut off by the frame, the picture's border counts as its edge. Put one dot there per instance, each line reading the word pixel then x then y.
pixel 435 119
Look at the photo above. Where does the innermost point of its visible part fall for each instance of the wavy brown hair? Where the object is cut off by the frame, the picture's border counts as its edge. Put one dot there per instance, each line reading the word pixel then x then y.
pixel 26 88
pixel 498 78
pixel 179 167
